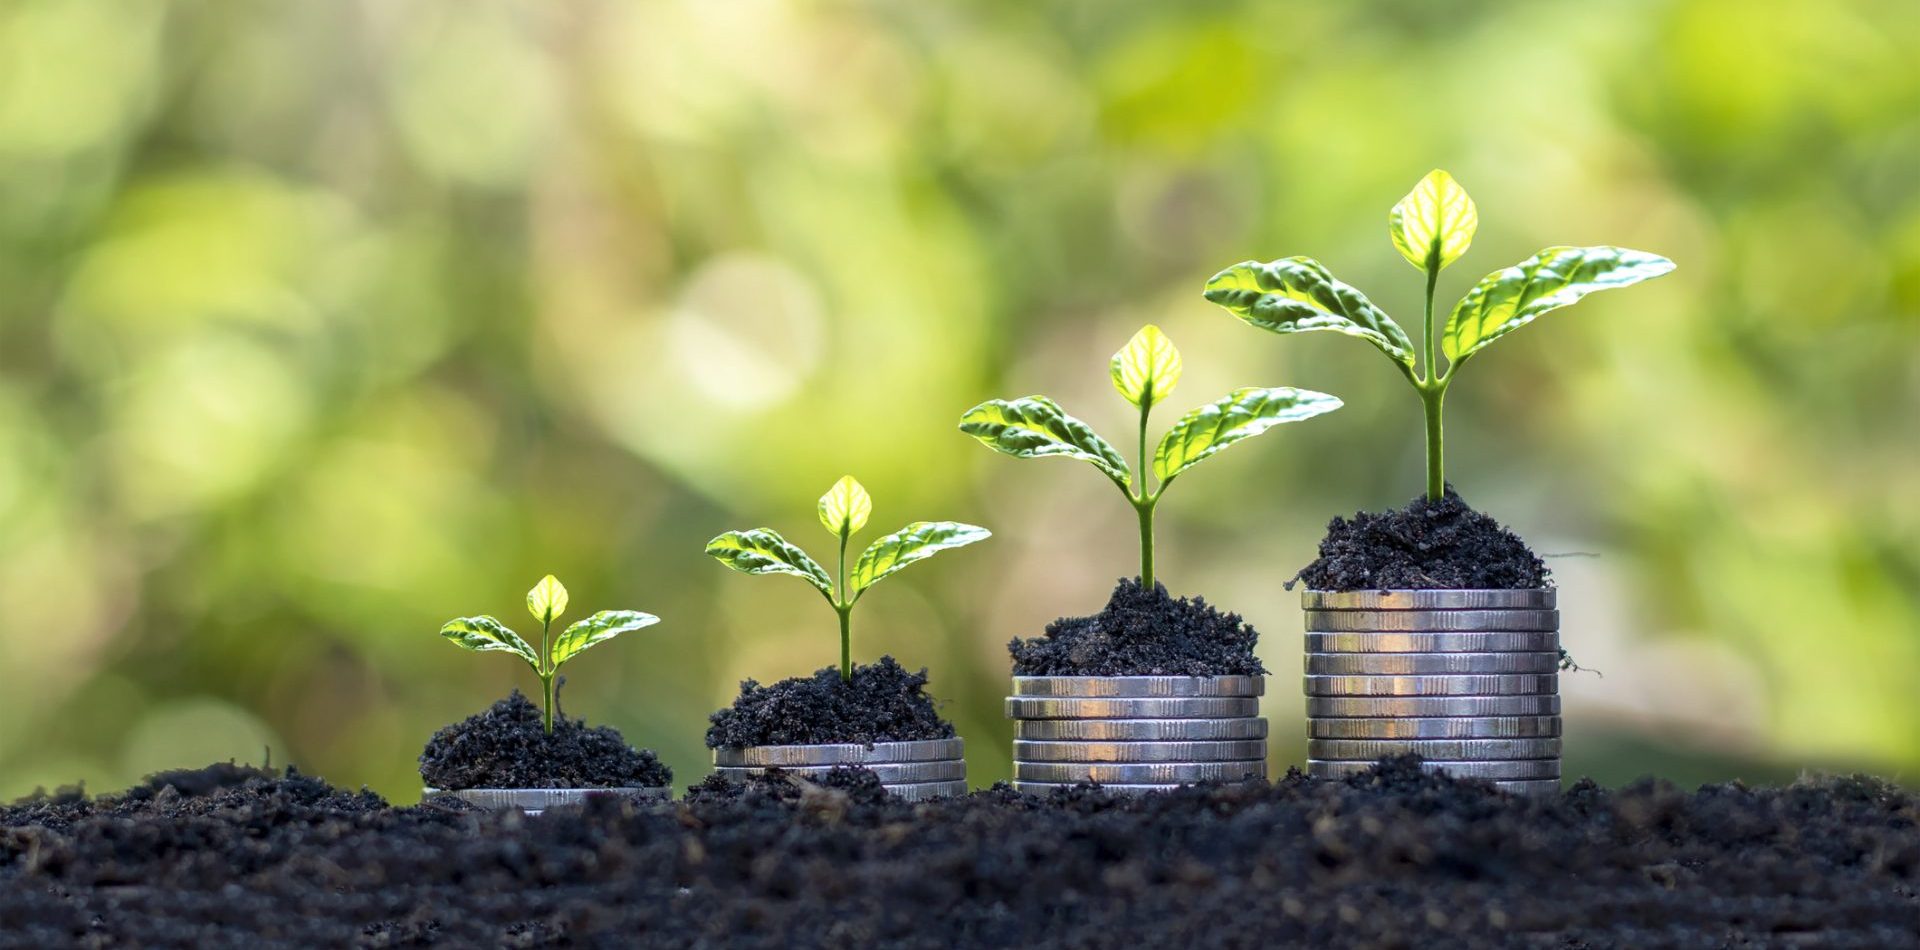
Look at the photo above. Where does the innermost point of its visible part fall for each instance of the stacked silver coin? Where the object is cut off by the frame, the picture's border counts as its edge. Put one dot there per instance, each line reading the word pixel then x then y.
pixel 1468 679
pixel 1136 733
pixel 535 800
pixel 915 771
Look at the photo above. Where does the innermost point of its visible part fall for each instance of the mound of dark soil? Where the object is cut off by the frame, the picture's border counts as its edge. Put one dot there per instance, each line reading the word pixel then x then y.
pixel 508 747
pixel 1442 545
pixel 1142 633
pixel 882 703
pixel 1391 858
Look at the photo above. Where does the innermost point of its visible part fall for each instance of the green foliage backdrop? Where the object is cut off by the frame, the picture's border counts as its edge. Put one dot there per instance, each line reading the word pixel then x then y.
pixel 321 323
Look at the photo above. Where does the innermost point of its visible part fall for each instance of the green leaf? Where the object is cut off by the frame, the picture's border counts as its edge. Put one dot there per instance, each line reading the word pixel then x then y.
pixel 1506 300
pixel 1297 294
pixel 1241 415
pixel 1434 222
pixel 1147 368
pixel 547 599
pixel 1035 427
pixel 598 628
pixel 486 634
pixel 764 551
pixel 845 507
pixel 922 539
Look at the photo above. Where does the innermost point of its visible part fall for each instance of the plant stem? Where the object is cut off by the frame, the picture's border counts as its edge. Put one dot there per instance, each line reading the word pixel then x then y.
pixel 845 610
pixel 1143 504
pixel 546 676
pixel 1433 393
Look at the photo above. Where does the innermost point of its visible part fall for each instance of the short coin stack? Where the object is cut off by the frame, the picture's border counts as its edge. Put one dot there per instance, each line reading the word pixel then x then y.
pixel 1468 679
pixel 1136 733
pixel 915 771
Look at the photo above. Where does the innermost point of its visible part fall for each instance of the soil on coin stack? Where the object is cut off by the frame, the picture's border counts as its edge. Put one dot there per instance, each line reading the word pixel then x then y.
pixel 1142 633
pixel 882 703
pixel 1442 545
pixel 507 746
pixel 234 857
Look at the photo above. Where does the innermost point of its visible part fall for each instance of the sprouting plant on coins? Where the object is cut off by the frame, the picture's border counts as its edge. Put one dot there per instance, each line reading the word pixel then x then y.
pixel 843 512
pixel 546 601
pixel 1431 227
pixel 1144 372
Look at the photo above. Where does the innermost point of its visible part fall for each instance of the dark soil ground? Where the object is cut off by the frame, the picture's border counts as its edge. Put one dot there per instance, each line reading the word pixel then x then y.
pixel 1442 545
pixel 507 746
pixel 1142 633
pixel 233 857
pixel 883 703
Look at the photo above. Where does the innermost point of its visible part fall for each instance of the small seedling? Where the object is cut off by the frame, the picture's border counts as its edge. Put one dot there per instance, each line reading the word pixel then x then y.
pixel 843 511
pixel 1144 371
pixel 546 601
pixel 1431 227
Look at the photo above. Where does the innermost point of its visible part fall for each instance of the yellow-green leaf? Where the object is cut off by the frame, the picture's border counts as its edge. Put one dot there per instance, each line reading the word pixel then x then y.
pixel 916 541
pixel 1035 427
pixel 598 628
pixel 547 599
pixel 764 551
pixel 1434 223
pixel 1506 300
pixel 1297 295
pixel 1147 368
pixel 845 506
pixel 1241 415
pixel 486 634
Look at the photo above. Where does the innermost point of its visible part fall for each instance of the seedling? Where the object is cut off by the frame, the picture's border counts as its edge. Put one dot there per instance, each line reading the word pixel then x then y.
pixel 1144 371
pixel 546 601
pixel 843 511
pixel 1431 227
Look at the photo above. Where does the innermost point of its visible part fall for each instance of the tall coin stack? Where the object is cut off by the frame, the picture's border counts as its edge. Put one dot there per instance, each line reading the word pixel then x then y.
pixel 915 771
pixel 1468 679
pixel 1136 733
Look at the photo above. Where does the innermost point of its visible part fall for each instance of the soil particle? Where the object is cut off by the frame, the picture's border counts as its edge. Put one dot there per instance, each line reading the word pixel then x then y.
pixel 1390 858
pixel 1142 633
pixel 882 703
pixel 507 746
pixel 1443 545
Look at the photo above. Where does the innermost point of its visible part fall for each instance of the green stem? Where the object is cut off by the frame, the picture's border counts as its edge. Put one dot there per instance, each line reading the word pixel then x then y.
pixel 1143 504
pixel 1433 392
pixel 546 675
pixel 845 610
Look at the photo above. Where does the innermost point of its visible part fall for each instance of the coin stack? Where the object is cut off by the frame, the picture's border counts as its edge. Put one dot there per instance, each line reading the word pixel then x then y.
pixel 1467 679
pixel 533 801
pixel 915 771
pixel 1136 733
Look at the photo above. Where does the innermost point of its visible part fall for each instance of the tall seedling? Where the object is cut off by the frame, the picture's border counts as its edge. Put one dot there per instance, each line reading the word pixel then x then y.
pixel 1431 227
pixel 1144 372
pixel 546 601
pixel 843 512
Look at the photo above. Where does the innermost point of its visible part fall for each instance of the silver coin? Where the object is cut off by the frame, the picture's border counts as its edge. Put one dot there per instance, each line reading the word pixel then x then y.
pixel 1139 772
pixel 1429 664
pixel 1523 641
pixel 1417 707
pixel 887 772
pixel 1138 687
pixel 1139 730
pixel 1198 707
pixel 924 750
pixel 1492 727
pixel 1509 769
pixel 1463 750
pixel 1427 621
pixel 1544 786
pixel 1517 684
pixel 1030 751
pixel 535 800
pixel 1135 788
pixel 1544 599
pixel 926 791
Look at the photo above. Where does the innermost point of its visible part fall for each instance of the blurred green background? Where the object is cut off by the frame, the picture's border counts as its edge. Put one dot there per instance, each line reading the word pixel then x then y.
pixel 322 323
